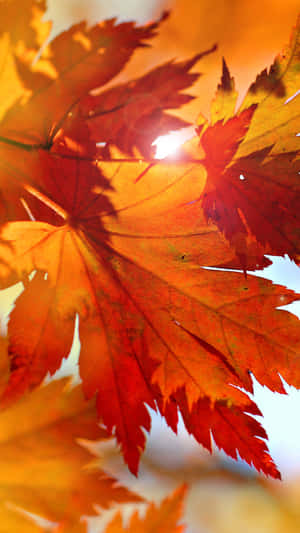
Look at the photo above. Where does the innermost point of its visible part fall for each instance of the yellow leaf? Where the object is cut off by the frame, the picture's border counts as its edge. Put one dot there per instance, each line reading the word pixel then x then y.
pixel 43 467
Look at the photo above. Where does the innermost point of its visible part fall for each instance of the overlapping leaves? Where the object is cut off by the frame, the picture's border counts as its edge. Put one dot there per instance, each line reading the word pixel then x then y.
pixel 256 152
pixel 123 242
pixel 44 470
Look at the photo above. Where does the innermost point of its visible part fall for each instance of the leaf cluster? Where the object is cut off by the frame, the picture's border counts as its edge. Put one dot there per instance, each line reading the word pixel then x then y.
pixel 142 250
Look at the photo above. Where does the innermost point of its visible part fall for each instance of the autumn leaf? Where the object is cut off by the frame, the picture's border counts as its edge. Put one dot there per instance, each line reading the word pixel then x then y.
pixel 22 31
pixel 248 33
pixel 136 110
pixel 44 469
pixel 255 154
pixel 42 91
pixel 50 338
pixel 163 519
pixel 231 427
pixel 125 244
pixel 71 65
pixel 145 305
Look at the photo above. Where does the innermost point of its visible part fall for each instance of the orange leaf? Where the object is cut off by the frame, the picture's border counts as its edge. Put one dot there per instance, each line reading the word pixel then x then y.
pixel 232 429
pixel 33 356
pixel 19 29
pixel 22 24
pixel 125 244
pixel 76 62
pixel 144 301
pixel 162 519
pixel 43 468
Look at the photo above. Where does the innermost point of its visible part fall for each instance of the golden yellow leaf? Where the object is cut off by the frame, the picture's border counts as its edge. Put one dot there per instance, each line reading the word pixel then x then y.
pixel 43 467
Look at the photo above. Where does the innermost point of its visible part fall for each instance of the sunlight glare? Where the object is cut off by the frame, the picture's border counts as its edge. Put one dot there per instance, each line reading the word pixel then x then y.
pixel 169 144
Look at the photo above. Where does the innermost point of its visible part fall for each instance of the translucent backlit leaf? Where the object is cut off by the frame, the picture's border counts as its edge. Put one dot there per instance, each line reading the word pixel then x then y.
pixel 44 469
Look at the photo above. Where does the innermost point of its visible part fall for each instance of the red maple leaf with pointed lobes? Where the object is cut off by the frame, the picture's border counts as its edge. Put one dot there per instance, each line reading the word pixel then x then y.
pixel 231 427
pixel 138 106
pixel 125 243
pixel 140 324
pixel 254 154
pixel 80 60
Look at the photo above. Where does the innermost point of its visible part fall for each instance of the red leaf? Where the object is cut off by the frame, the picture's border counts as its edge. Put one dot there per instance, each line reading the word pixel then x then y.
pixel 254 155
pixel 232 429
pixel 132 115
pixel 49 340
pixel 80 61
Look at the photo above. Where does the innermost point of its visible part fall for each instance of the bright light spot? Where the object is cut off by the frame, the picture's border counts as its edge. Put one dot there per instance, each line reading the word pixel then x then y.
pixel 242 177
pixel 168 144
pixel 292 97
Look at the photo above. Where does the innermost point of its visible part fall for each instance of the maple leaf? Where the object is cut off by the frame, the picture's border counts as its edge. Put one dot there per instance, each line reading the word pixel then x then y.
pixel 254 154
pixel 163 518
pixel 122 244
pixel 142 299
pixel 137 109
pixel 43 468
pixel 75 62
pixel 46 88
pixel 231 427
pixel 257 31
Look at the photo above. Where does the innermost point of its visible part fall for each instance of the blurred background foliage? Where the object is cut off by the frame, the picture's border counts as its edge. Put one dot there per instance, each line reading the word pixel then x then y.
pixel 249 34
